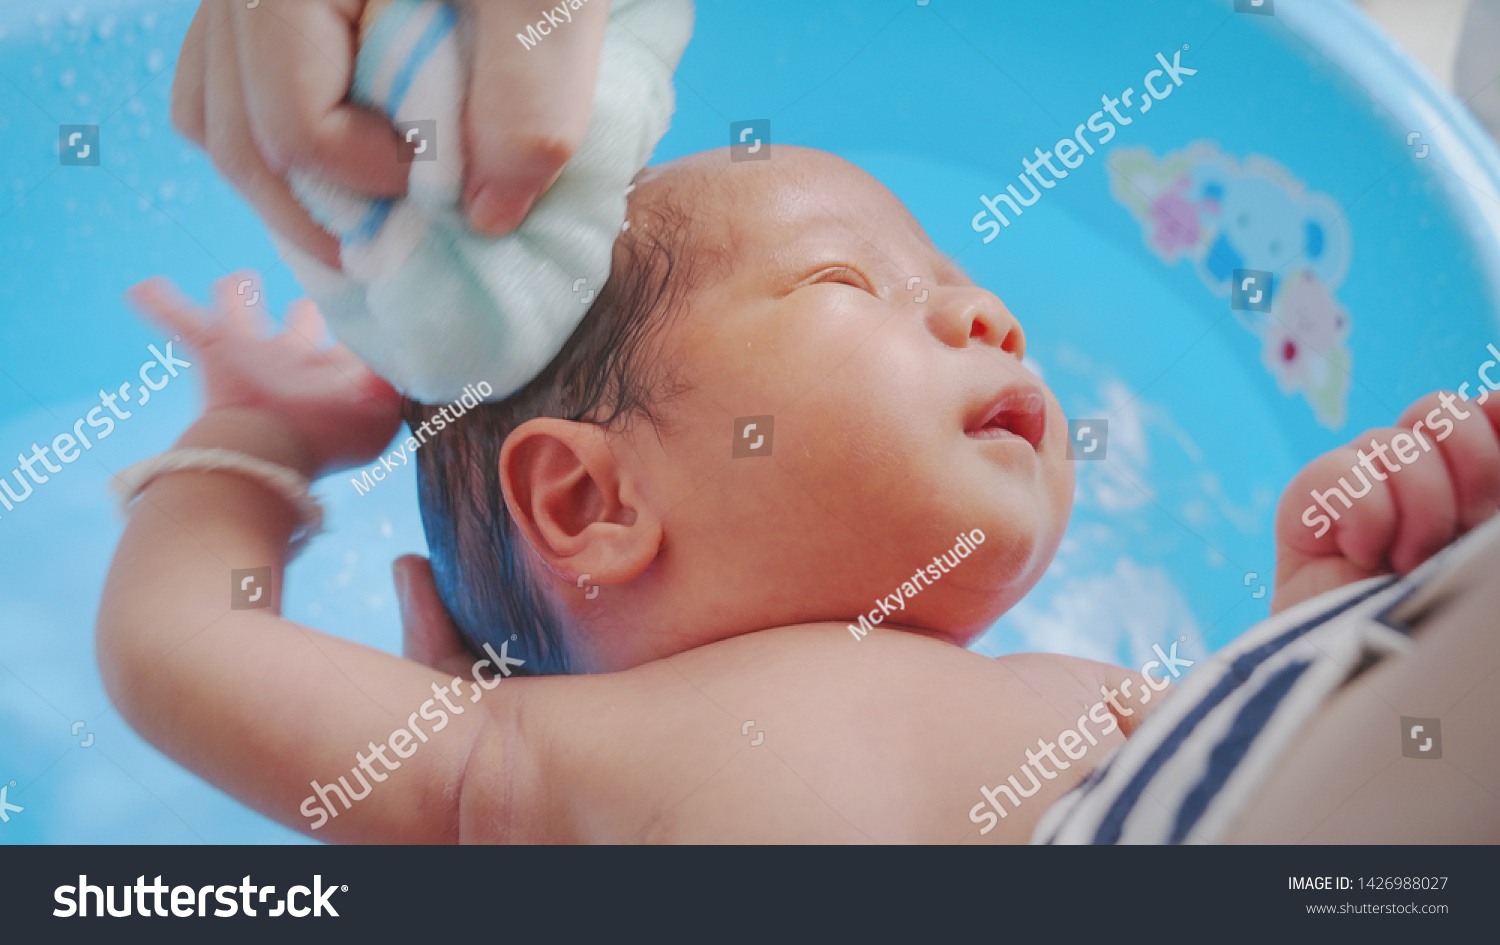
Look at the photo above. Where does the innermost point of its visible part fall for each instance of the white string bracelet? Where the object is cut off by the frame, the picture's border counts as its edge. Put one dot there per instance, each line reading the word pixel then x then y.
pixel 291 485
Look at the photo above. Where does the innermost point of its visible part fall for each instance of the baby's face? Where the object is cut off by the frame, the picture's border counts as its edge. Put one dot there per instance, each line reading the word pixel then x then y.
pixel 897 424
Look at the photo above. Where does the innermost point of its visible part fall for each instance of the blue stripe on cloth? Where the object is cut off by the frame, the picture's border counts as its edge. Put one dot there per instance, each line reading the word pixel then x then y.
pixel 376 46
pixel 442 24
pixel 1083 787
pixel 1231 749
pixel 1237 672
pixel 374 219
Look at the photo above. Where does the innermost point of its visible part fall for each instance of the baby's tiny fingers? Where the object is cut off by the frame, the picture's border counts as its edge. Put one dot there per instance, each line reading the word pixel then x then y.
pixel 238 297
pixel 164 305
pixel 304 320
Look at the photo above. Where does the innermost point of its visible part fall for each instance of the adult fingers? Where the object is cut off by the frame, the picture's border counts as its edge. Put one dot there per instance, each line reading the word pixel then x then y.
pixel 296 63
pixel 192 68
pixel 427 634
pixel 1329 509
pixel 528 108
pixel 1469 449
pixel 233 150
pixel 1426 507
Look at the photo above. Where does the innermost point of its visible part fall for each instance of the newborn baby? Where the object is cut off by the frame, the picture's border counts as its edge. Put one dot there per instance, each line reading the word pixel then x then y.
pixel 778 291
pixel 598 522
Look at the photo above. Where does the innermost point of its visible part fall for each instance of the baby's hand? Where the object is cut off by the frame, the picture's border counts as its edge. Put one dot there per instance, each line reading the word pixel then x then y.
pixel 336 409
pixel 1410 490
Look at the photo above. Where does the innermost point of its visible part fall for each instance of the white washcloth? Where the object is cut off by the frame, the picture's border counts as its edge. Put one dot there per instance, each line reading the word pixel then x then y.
pixel 431 306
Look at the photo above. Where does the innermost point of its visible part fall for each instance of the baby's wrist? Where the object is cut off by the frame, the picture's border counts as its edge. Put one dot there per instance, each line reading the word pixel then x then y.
pixel 255 432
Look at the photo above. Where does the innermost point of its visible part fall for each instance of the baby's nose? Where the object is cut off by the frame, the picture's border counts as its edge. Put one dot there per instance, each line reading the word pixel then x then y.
pixel 960 316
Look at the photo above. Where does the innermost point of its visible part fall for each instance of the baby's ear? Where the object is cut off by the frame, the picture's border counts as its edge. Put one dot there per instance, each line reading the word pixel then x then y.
pixel 575 504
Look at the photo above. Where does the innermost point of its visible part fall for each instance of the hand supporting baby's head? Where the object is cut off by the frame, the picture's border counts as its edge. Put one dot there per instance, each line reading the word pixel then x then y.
pixel 601 514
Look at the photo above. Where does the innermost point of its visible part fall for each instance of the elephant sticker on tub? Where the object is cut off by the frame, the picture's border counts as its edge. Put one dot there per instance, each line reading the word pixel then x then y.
pixel 1222 214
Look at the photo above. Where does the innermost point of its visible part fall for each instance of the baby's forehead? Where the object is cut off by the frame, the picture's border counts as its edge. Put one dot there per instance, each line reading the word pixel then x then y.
pixel 760 205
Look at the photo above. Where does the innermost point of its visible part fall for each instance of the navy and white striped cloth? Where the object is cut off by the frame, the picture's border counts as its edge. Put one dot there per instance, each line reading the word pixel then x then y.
pixel 1193 764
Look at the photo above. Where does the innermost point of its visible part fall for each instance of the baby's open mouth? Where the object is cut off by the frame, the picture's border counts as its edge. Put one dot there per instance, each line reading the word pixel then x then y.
pixel 1019 411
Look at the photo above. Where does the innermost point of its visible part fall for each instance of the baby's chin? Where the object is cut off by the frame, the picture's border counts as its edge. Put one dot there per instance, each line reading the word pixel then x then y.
pixel 1016 559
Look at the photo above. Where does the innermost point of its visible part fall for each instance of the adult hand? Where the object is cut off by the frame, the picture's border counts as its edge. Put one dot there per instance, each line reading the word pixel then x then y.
pixel 262 86
pixel 1386 504
pixel 427 634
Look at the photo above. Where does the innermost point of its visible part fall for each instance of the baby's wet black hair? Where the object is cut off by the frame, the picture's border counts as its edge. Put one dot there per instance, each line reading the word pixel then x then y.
pixel 609 373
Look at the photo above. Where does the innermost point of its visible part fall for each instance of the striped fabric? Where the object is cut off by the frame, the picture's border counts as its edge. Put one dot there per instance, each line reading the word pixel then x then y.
pixel 1195 762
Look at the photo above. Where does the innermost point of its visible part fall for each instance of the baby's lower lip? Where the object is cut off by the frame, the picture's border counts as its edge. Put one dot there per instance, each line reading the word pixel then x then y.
pixel 998 433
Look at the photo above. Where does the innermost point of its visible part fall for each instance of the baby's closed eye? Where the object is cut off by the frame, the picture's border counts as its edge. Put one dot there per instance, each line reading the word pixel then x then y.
pixel 840 275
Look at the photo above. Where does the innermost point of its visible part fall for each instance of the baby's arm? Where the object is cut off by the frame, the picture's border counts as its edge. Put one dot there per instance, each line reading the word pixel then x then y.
pixel 1431 478
pixel 257 704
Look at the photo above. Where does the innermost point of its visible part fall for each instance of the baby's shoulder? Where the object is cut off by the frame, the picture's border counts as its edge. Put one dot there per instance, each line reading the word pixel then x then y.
pixel 789 728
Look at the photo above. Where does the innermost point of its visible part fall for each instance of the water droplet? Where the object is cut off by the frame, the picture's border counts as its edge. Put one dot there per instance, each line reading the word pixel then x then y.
pixel 154 61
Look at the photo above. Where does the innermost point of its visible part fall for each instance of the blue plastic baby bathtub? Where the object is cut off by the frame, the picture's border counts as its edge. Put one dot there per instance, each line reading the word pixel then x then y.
pixel 1301 144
